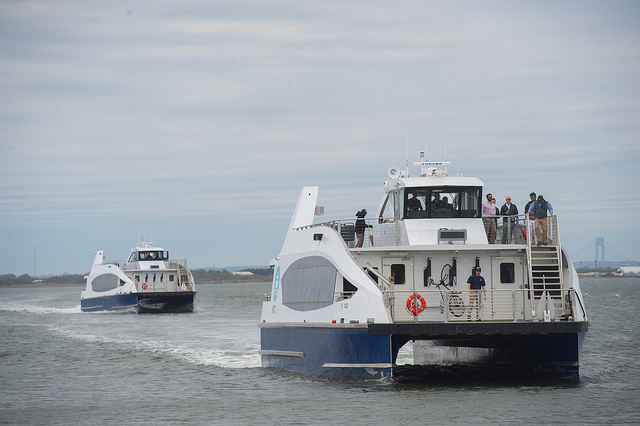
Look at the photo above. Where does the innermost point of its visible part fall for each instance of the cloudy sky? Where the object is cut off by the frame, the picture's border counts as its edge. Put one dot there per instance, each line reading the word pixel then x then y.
pixel 195 123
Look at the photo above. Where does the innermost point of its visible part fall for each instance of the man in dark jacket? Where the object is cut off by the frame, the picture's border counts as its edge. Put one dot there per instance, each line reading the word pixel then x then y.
pixel 361 225
pixel 508 209
pixel 476 284
pixel 540 208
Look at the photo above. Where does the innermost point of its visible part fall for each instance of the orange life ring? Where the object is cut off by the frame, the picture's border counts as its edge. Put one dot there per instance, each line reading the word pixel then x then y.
pixel 416 304
pixel 144 286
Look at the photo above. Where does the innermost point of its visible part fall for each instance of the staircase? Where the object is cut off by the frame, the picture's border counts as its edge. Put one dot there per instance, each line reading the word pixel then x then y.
pixel 545 271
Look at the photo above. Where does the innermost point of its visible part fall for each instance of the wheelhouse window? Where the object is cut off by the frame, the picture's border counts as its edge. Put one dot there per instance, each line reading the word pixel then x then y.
pixel 149 255
pixel 416 202
pixel 442 202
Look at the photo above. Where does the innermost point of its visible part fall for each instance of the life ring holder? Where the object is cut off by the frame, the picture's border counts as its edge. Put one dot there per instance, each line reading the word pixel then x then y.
pixel 144 286
pixel 416 304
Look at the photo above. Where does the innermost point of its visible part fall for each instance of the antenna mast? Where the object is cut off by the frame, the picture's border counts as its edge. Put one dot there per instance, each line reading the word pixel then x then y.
pixel 426 141
pixel 406 137
pixel 445 147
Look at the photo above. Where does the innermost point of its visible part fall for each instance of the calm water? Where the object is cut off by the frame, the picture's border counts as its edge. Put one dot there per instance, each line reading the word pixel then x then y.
pixel 60 366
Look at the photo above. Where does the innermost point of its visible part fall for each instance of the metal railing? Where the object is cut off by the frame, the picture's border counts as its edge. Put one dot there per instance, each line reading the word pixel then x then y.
pixel 383 232
pixel 499 305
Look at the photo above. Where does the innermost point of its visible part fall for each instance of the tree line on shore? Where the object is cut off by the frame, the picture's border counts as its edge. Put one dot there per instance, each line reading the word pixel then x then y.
pixel 199 275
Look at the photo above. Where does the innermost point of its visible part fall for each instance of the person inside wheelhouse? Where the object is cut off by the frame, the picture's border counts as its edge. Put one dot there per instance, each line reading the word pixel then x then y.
pixel 442 202
pixel 148 255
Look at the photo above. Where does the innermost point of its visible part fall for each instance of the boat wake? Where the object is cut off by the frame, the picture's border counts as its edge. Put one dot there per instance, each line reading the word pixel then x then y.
pixel 38 310
pixel 245 355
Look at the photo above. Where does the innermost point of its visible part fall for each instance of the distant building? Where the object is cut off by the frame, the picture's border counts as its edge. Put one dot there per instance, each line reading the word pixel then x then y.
pixel 629 270
pixel 243 273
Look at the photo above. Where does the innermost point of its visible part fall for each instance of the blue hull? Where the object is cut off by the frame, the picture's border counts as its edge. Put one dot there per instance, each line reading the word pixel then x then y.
pixel 345 351
pixel 330 351
pixel 556 355
pixel 171 302
pixel 110 303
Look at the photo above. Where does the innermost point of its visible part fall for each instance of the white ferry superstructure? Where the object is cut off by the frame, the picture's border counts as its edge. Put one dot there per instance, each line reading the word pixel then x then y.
pixel 338 309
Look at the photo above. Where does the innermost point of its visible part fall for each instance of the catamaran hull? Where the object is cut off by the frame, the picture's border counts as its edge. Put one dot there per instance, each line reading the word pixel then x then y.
pixel 326 350
pixel 363 352
pixel 170 302
pixel 543 355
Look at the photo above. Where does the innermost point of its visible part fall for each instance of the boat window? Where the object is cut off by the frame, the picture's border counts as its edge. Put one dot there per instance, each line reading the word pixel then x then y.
pixel 105 282
pixel 137 278
pixel 153 255
pixel 442 202
pixel 348 289
pixel 416 202
pixel 133 257
pixel 308 284
pixel 171 277
pixel 397 273
pixel 470 202
pixel 507 273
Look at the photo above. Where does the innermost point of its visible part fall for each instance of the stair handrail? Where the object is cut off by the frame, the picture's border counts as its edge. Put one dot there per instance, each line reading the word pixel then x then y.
pixel 530 270
pixel 556 227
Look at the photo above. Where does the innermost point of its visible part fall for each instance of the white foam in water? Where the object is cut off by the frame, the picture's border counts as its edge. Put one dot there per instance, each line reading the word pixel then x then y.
pixel 41 310
pixel 246 355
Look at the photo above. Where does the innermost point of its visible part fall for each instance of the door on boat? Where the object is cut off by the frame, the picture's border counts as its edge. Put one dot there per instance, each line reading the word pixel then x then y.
pixel 400 273
pixel 506 295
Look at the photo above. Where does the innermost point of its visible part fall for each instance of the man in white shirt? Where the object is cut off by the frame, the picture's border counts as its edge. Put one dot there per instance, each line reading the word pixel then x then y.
pixel 488 213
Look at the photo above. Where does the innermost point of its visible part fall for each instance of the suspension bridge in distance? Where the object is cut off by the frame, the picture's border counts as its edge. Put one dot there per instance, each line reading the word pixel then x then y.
pixel 600 261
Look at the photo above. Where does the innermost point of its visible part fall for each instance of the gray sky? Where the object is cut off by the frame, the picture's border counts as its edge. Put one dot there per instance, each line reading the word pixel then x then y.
pixel 195 123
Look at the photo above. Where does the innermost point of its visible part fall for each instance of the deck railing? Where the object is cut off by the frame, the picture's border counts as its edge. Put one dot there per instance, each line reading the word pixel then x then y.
pixel 383 232
pixel 500 305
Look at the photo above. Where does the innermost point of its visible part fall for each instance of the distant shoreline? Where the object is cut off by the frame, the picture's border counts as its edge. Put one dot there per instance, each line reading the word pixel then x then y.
pixel 40 285
pixel 589 276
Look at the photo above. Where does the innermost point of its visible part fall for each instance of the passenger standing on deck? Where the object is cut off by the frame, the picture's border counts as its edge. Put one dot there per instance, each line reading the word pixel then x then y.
pixel 508 209
pixel 361 225
pixel 532 219
pixel 476 284
pixel 540 208
pixel 488 211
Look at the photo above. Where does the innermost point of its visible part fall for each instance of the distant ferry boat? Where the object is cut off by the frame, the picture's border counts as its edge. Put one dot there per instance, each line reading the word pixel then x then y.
pixel 148 282
pixel 337 308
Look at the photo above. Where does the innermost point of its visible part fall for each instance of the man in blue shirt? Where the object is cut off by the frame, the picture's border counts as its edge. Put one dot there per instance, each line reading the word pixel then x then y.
pixel 476 284
pixel 539 208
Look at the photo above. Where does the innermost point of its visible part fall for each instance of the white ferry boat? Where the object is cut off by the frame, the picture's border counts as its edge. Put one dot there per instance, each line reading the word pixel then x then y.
pixel 147 282
pixel 337 308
